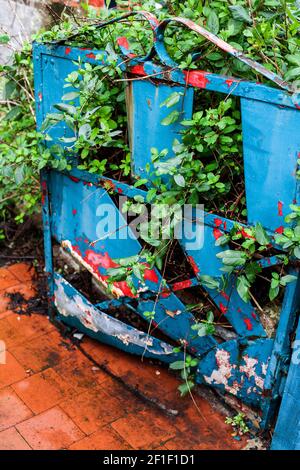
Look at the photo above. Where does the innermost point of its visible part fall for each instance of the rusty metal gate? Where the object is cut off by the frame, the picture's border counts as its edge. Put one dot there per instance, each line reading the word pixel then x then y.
pixel 251 366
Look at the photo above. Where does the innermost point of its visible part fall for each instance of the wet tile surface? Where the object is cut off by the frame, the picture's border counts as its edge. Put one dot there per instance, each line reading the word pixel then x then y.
pixel 54 397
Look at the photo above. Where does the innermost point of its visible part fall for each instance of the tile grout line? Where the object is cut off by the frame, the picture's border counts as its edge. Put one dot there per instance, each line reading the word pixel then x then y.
pixel 23 437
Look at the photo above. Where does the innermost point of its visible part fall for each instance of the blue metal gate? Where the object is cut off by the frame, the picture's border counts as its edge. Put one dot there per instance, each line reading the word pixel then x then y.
pixel 252 366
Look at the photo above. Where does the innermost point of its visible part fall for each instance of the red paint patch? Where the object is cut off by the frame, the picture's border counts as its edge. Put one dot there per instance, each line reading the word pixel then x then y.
pixel 74 211
pixel 280 206
pixel 44 191
pixel 67 50
pixel 122 41
pixel 223 308
pixel 279 229
pixel 248 324
pixel 150 275
pixel 98 260
pixel 108 185
pixel 193 264
pixel 124 287
pixel 253 314
pixel 40 96
pixel 91 55
pixel 245 234
pixel 181 285
pixel 138 70
pixel 217 233
pixel 74 179
pixel 196 78
pixel 218 222
pixel 165 293
pixel 229 82
pixel 223 294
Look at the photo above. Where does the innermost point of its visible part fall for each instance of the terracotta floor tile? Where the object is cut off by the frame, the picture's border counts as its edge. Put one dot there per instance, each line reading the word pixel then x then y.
pixel 104 439
pixel 11 372
pixel 7 279
pixel 22 271
pixel 155 382
pixel 80 372
pixel 4 301
pixel 190 441
pixel 93 410
pixel 43 352
pixel 4 310
pixel 130 402
pixel 6 313
pixel 145 429
pixel 42 391
pixel 17 329
pixel 51 430
pixel 12 409
pixel 34 324
pixel 191 418
pixel 27 290
pixel 10 439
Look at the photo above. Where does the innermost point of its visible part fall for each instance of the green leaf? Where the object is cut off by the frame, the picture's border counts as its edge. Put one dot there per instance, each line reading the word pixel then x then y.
pixel 287 279
pixel 233 257
pixel 240 13
pixel 179 180
pixel 15 112
pixel 209 282
pixel 177 365
pixel 273 292
pixel 171 118
pixel 186 387
pixel 210 317
pixel 243 286
pixel 260 235
pixel 140 182
pixel 85 131
pixel 171 100
pixel 292 73
pixel 294 59
pixel 19 174
pixel 297 252
pixel 201 330
pixel 66 108
pixel 9 88
pixel 70 96
pixel 4 38
pixel 213 22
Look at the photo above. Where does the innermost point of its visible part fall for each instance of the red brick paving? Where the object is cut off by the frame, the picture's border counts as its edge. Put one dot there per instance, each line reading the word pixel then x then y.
pixel 53 397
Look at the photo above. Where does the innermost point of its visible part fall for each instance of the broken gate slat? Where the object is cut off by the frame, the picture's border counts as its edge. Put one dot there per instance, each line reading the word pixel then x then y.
pixel 239 369
pixel 78 312
pixel 77 234
pixel 241 315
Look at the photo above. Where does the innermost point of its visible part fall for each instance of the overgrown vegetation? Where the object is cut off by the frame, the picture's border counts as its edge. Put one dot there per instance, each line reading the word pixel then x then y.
pixel 205 167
